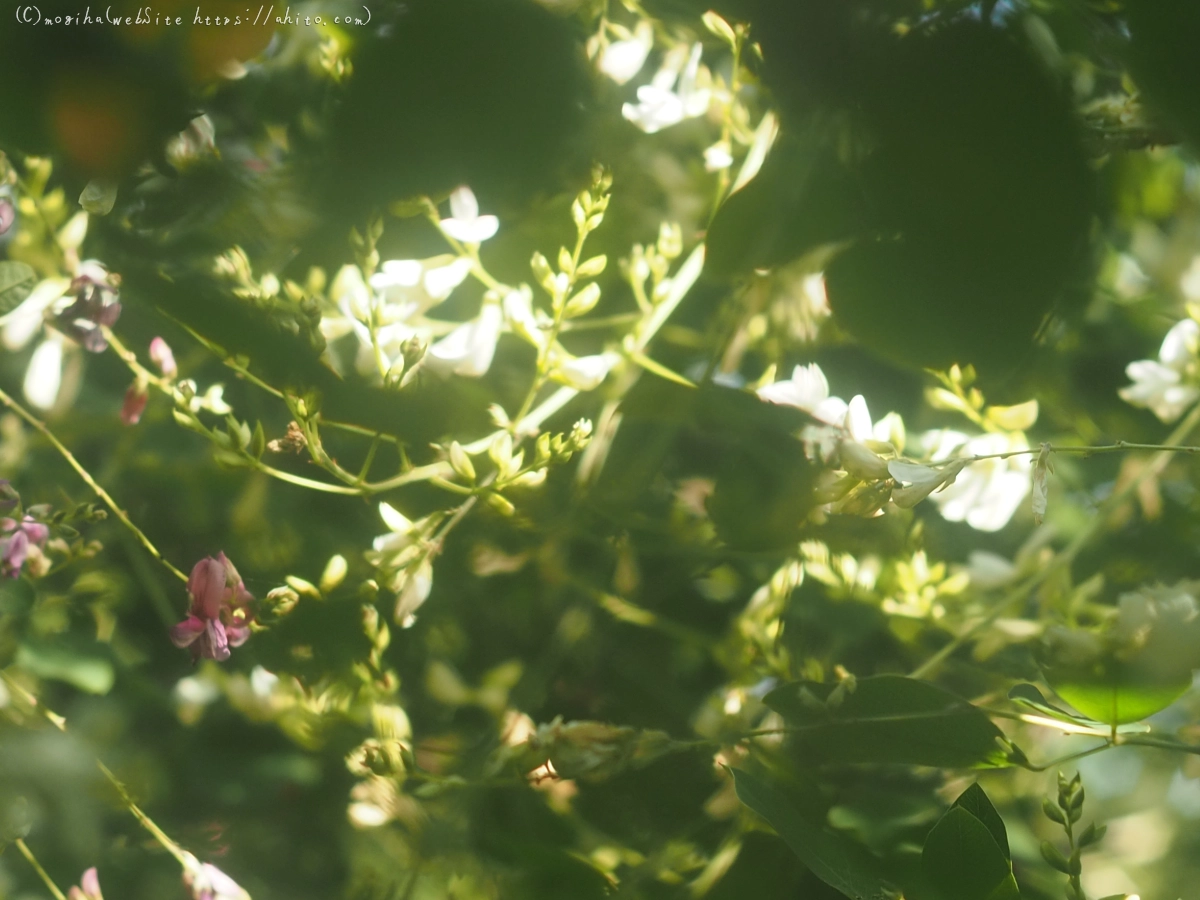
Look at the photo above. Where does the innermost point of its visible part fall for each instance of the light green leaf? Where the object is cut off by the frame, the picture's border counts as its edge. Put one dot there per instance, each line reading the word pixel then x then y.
pixel 98 197
pixel 836 860
pixel 17 280
pixel 1028 696
pixel 891 719
pixel 93 674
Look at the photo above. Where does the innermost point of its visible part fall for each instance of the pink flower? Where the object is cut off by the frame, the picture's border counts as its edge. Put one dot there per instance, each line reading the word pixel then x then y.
pixel 135 404
pixel 96 305
pixel 89 887
pixel 14 546
pixel 161 356
pixel 7 215
pixel 207 882
pixel 219 615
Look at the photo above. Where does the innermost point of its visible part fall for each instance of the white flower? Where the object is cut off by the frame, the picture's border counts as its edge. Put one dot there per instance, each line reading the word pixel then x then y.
pixel 518 312
pixel 44 375
pixel 986 493
pixel 412 587
pixel 621 60
pixel 585 373
pixel 465 223
pixel 401 534
pixel 661 104
pixel 469 348
pixel 718 157
pixel 1157 385
pixel 212 400
pixel 807 389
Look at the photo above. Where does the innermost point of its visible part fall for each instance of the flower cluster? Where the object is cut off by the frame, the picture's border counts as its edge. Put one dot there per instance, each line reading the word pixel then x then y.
pixel 386 311
pixel 78 309
pixel 19 539
pixel 219 611
pixel 681 89
pixel 984 494
pixel 95 305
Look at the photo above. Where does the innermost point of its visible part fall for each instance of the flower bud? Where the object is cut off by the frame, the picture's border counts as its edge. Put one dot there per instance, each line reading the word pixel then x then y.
pixel 461 462
pixel 136 398
pixel 161 356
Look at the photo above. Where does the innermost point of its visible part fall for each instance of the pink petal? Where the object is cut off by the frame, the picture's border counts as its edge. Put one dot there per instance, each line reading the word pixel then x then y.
pixel 90 882
pixel 237 634
pixel 207 587
pixel 186 631
pixel 232 578
pixel 35 531
pixel 215 643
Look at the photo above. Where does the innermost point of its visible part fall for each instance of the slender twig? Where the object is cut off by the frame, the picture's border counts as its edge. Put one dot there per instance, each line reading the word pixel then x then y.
pixel 91 482
pixel 60 723
pixel 37 867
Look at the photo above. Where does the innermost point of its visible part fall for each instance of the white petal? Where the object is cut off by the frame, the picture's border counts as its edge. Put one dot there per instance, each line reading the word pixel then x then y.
pixel 22 323
pixel 858 419
pixel 350 292
pixel 441 281
pixel 475 230
pixel 469 348
pixel 394 519
pixel 417 587
pixel 621 60
pixel 44 375
pixel 1180 344
pixel 586 373
pixel 463 204
pixel 717 157
pixel 397 273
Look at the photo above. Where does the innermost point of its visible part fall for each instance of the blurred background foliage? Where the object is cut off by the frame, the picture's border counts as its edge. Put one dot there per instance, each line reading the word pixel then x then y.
pixel 1004 192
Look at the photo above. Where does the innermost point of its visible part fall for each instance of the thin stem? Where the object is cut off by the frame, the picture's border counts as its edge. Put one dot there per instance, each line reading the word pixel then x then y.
pixel 90 481
pixel 61 724
pixel 1070 757
pixel 146 822
pixel 37 867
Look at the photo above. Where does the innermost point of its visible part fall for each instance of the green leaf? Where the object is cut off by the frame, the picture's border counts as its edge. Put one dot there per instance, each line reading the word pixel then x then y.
pixel 1028 696
pixel 976 802
pixel 962 860
pixel 98 197
pixel 1114 694
pixel 93 674
pixel 17 280
pixel 836 860
pixel 891 719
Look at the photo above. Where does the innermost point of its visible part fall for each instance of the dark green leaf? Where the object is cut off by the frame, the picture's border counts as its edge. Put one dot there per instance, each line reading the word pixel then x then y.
pixel 17 279
pixel 839 862
pixel 976 802
pixel 963 862
pixel 891 719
